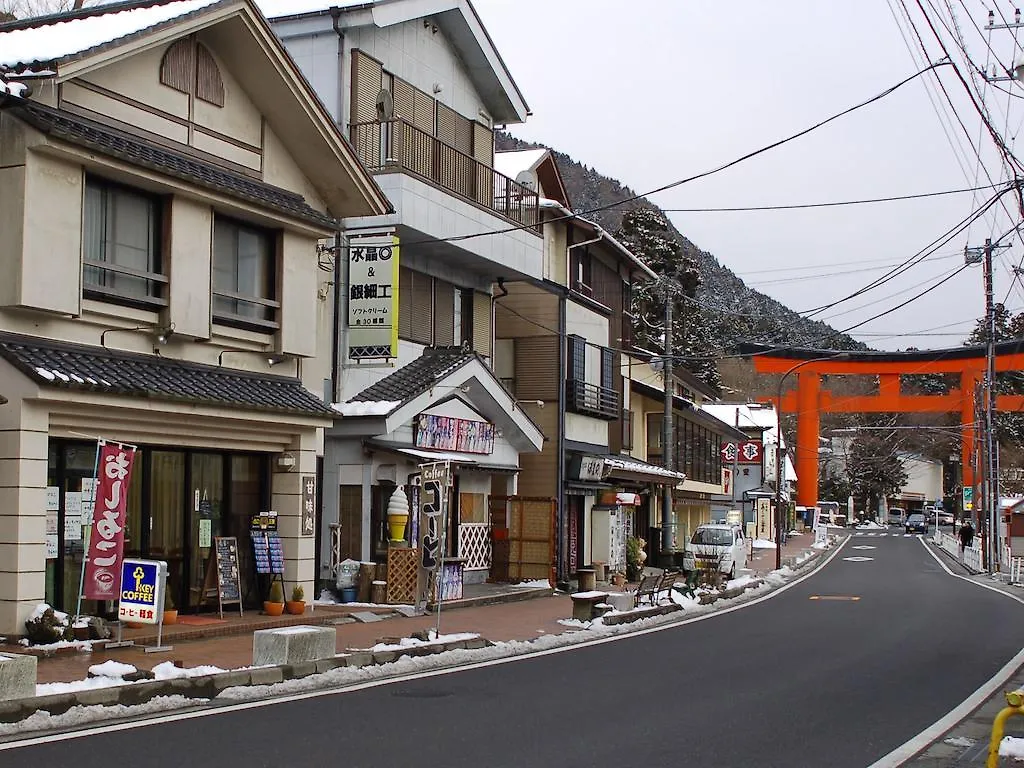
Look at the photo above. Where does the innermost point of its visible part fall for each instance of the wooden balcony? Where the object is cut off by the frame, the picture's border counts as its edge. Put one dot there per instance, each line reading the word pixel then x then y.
pixel 592 400
pixel 396 145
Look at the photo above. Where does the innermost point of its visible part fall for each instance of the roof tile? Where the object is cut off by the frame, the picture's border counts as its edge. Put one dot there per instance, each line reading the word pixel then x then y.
pixel 417 376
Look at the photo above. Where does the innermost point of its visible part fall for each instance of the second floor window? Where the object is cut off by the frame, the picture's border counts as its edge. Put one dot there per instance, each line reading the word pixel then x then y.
pixel 121 245
pixel 244 275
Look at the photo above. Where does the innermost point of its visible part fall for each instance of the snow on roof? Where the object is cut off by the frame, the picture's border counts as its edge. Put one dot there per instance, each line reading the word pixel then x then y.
pixel 273 9
pixel 750 415
pixel 511 164
pixel 366 407
pixel 52 41
pixel 12 89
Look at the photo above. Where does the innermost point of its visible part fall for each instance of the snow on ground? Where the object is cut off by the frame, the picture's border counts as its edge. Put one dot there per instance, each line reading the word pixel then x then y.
pixel 111 668
pixel 742 581
pixel 795 533
pixel 959 741
pixel 90 683
pixel 412 642
pixel 1012 746
pixel 763 544
pixel 167 671
pixel 535 584
pixel 870 525
pixel 80 716
pixel 85 646
pixel 326 598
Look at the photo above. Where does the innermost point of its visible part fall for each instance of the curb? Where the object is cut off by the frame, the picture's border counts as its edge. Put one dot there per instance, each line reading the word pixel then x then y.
pixel 205 687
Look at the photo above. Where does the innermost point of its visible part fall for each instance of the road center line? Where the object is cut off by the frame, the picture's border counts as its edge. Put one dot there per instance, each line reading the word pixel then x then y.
pixel 213 708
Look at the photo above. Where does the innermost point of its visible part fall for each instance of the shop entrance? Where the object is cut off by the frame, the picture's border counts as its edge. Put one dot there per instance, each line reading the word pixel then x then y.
pixel 179 499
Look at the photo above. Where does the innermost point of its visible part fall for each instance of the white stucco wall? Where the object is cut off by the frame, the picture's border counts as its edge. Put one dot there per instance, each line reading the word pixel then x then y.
pixel 923 477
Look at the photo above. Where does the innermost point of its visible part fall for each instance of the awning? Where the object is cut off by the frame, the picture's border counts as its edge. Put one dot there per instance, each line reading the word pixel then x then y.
pixel 580 488
pixel 628 499
pixel 420 456
pixel 634 469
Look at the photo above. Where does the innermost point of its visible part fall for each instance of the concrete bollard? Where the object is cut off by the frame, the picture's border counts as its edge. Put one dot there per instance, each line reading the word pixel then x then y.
pixel 17 676
pixel 292 645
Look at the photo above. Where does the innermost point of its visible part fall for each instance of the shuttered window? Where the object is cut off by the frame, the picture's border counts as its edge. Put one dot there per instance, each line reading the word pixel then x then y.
pixel 576 362
pixel 445 296
pixel 483 144
pixel 403 98
pixel 446 124
pixel 415 306
pixel 535 359
pixel 482 323
pixel 367 78
pixel 607 368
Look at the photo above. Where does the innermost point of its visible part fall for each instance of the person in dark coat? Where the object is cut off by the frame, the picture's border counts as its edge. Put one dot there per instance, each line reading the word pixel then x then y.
pixel 966 535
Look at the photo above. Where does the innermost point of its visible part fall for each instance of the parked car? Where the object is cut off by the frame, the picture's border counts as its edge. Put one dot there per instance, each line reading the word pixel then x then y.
pixel 716 542
pixel 896 515
pixel 916 523
pixel 946 518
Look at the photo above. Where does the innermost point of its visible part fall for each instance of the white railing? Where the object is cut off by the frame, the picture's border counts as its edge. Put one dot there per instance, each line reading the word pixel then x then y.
pixel 971 555
pixel 475 545
pixel 950 543
pixel 972 558
pixel 1016 569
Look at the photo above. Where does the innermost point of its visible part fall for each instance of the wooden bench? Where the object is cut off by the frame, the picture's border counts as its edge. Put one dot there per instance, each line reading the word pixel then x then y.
pixel 656 586
pixel 584 604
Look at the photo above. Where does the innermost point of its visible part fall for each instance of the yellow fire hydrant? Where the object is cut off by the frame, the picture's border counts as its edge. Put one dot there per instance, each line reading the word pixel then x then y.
pixel 1015 706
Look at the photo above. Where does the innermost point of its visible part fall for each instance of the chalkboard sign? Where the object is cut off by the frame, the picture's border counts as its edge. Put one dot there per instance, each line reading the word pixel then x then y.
pixel 222 577
pixel 267 552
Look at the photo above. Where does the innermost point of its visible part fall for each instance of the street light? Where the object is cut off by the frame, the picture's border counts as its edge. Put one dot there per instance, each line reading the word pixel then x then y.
pixel 778 449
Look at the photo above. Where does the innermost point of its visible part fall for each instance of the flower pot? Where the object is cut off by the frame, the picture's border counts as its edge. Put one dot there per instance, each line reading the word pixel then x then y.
pixel 133 625
pixel 273 609
pixel 82 633
pixel 170 616
pixel 295 607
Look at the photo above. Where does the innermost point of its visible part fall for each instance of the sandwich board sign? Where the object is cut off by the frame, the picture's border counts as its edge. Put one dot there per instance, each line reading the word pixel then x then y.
pixel 141 598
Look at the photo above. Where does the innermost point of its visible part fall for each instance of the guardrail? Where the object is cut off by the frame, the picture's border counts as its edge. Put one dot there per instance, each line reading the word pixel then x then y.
pixel 971 556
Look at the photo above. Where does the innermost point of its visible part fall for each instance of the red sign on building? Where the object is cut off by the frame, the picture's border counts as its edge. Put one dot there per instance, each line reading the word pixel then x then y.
pixel 106 543
pixel 746 452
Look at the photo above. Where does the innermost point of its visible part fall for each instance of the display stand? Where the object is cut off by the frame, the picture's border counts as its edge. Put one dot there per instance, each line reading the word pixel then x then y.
pixel 222 577
pixel 269 557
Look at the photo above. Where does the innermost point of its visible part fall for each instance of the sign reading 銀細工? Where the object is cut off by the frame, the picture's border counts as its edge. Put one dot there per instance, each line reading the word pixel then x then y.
pixel 372 297
pixel 142 591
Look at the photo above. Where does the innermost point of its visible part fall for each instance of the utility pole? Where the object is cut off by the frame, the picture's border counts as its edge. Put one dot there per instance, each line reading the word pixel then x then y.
pixel 667 444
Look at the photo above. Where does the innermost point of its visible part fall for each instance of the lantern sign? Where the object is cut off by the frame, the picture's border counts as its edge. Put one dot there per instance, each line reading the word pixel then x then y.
pixel 745 452
pixel 433 502
pixel 106 544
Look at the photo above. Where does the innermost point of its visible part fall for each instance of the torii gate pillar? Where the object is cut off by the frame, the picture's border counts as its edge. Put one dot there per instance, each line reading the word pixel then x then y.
pixel 808 425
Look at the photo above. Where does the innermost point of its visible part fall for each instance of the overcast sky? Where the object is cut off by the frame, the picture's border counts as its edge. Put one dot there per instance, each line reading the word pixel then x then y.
pixel 651 91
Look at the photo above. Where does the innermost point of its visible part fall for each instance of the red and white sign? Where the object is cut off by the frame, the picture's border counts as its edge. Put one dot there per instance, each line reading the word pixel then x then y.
pixel 747 452
pixel 106 543
pixel 726 481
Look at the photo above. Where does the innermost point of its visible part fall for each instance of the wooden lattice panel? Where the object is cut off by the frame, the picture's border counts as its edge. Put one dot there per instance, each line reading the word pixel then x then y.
pixel 402 568
pixel 475 544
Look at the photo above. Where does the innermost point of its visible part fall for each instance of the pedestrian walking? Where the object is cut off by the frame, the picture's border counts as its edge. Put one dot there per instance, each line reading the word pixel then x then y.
pixel 966 535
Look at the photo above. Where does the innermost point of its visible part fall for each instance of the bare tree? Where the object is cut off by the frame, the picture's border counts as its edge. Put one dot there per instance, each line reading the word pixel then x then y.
pixel 25 9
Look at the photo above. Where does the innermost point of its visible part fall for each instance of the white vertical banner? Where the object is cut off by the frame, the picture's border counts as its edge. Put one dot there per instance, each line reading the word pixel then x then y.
pixel 372 298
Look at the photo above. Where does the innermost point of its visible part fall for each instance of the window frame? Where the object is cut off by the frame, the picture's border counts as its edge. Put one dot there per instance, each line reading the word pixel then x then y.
pixel 159 279
pixel 272 303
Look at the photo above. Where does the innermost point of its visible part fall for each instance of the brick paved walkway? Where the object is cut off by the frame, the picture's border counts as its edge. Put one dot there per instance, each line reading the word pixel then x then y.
pixel 524 620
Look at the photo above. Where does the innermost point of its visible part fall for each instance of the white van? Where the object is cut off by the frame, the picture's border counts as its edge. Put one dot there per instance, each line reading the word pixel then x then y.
pixel 717 541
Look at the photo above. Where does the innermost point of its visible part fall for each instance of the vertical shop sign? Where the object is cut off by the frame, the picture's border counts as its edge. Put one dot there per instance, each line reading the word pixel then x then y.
pixel 430 534
pixel 106 543
pixel 373 297
pixel 308 527
pixel 573 540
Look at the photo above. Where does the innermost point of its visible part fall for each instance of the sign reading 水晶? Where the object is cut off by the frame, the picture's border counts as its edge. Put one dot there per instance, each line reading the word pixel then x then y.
pixel 373 297
pixel 142 591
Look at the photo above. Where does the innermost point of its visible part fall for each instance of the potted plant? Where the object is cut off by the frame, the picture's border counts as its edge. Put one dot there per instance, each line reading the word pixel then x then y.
pixel 274 604
pixel 170 610
pixel 297 605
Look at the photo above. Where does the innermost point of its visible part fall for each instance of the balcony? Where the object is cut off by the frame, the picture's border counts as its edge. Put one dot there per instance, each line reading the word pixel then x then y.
pixel 398 146
pixel 592 400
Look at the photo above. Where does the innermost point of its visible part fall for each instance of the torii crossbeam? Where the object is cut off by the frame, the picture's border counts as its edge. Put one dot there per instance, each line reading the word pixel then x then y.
pixel 809 400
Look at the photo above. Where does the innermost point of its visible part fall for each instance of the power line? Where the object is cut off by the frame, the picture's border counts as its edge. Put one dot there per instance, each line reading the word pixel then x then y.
pixel 799 206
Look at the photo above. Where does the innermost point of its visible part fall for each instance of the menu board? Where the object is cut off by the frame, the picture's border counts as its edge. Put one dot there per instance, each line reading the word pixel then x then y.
pixel 227 569
pixel 267 552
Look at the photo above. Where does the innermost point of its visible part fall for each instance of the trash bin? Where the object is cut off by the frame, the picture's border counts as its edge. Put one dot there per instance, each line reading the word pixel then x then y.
pixel 349 594
pixel 587 578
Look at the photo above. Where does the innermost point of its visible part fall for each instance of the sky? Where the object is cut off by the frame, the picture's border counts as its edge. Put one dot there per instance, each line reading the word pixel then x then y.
pixel 652 91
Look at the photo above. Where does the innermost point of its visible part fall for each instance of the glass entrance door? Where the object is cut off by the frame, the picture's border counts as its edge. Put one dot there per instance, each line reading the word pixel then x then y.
pixel 206 518
pixel 167 517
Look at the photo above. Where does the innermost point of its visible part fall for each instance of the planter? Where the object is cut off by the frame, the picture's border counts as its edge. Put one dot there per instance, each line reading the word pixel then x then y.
pixel 273 609
pixel 82 633
pixel 133 625
pixel 295 607
pixel 171 616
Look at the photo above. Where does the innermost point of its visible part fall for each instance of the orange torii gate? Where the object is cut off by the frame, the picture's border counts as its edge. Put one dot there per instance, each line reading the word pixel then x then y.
pixel 810 400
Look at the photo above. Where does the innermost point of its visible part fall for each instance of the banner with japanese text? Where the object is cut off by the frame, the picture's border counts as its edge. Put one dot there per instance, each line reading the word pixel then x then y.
pixel 433 503
pixel 373 297
pixel 106 542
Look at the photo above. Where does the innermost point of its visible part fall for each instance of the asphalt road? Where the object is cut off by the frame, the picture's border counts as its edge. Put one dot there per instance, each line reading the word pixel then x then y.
pixel 791 681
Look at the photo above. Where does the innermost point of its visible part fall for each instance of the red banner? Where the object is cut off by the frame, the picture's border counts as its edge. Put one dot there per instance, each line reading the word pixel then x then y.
pixel 106 544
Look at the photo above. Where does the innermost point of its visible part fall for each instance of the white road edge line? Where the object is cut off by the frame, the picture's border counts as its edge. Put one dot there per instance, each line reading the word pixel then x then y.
pixel 50 737
pixel 910 748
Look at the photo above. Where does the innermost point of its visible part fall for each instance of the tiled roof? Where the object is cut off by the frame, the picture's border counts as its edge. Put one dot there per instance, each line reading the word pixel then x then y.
pixel 109 141
pixel 417 376
pixel 96 369
pixel 46 41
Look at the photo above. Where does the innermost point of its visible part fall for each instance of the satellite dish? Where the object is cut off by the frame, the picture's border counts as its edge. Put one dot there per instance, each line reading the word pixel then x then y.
pixel 527 179
pixel 385 105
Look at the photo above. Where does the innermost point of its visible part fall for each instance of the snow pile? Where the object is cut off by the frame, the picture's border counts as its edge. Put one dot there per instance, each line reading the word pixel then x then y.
pixel 167 671
pixel 535 584
pixel 89 684
pixel 412 642
pixel 85 646
pixel 111 668
pixel 81 715
pixel 763 544
pixel 742 581
pixel 959 741
pixel 870 525
pixel 1011 746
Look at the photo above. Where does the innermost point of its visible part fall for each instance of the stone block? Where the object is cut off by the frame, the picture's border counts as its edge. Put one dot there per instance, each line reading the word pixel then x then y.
pixel 358 659
pixel 621 601
pixel 234 679
pixel 104 696
pixel 384 657
pixel 366 617
pixel 302 669
pixel 17 676
pixel 291 645
pixel 266 676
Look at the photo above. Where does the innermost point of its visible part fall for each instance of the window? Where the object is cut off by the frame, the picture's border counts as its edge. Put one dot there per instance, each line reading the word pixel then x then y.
pixel 607 368
pixel 121 245
pixel 581 272
pixel 244 279
pixel 577 358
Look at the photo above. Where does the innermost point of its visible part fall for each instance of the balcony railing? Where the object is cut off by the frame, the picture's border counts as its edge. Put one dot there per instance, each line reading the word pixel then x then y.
pixel 592 400
pixel 398 145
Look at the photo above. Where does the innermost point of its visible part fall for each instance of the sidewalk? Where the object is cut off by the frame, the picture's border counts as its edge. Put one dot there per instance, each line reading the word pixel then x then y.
pixel 519 620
